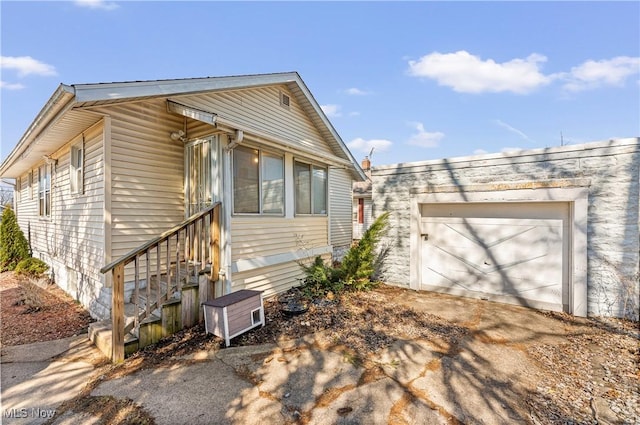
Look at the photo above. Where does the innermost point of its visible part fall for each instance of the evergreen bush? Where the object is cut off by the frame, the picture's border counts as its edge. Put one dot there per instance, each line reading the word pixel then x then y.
pixel 13 245
pixel 358 268
pixel 361 261
pixel 32 267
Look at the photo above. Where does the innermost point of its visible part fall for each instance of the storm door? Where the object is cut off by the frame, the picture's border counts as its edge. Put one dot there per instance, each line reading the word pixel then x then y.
pixel 201 174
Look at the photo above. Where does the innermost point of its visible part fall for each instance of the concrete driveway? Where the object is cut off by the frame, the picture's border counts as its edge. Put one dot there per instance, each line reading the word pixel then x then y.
pixel 482 379
pixel 36 378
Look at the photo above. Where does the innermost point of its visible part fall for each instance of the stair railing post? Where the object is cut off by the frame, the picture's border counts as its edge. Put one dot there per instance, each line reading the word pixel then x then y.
pixel 158 274
pixel 178 278
pixel 136 291
pixel 148 279
pixel 214 242
pixel 117 314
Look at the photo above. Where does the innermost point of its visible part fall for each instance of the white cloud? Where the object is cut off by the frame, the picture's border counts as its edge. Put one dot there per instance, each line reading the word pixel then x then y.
pixel 480 152
pixel 362 145
pixel 357 92
pixel 97 4
pixel 354 114
pixel 11 86
pixel 26 65
pixel 467 73
pixel 511 150
pixel 608 72
pixel 424 138
pixel 331 111
pixel 513 130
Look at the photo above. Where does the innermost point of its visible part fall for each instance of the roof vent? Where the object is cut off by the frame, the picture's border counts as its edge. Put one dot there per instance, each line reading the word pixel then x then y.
pixel 284 100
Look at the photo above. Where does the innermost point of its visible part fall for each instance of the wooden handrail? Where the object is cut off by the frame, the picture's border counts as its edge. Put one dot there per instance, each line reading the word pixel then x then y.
pixel 117 268
pixel 129 256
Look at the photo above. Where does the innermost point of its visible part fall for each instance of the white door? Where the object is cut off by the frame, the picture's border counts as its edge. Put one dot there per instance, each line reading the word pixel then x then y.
pixel 509 252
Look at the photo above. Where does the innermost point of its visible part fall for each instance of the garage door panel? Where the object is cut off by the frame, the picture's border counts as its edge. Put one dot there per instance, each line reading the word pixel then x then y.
pixel 516 286
pixel 515 256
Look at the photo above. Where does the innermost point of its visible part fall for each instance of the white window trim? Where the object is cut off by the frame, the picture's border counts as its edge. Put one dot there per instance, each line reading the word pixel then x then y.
pixel 76 168
pixel 18 189
pixel 312 165
pixel 45 194
pixel 260 206
pixel 30 182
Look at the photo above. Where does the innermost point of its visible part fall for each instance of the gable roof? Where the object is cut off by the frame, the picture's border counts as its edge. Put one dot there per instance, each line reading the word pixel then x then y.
pixel 65 115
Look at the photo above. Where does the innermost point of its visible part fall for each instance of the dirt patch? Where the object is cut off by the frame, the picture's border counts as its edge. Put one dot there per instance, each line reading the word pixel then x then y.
pixel 362 322
pixel 108 410
pixel 30 313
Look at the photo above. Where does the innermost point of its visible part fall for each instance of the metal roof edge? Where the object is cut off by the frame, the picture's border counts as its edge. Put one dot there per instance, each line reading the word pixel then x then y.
pixel 155 88
pixel 60 97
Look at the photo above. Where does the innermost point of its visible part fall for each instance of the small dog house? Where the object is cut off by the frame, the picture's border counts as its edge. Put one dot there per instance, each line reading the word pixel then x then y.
pixel 234 314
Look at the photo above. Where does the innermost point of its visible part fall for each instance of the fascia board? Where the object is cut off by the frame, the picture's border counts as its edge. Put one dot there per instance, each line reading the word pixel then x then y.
pixel 60 100
pixel 159 88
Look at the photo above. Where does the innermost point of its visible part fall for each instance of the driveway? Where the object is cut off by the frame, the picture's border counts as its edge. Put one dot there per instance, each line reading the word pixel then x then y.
pixel 502 370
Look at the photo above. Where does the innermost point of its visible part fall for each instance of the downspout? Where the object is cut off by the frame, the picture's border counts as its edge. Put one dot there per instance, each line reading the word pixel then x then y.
pixel 225 271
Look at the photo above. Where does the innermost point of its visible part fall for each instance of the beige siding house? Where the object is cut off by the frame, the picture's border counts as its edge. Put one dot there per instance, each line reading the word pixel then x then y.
pixel 104 168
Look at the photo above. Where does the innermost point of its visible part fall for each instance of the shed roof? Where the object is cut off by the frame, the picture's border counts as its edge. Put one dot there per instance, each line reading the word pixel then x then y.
pixel 65 115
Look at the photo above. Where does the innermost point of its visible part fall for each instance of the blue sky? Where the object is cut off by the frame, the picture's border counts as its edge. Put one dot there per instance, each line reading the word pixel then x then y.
pixel 413 80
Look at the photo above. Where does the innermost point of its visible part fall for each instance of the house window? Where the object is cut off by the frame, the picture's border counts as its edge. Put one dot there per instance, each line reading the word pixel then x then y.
pixel 76 169
pixel 311 188
pixel 360 210
pixel 18 189
pixel 44 190
pixel 30 182
pixel 258 182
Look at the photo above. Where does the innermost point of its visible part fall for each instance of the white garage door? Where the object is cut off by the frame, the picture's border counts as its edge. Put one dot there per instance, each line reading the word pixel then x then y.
pixel 509 252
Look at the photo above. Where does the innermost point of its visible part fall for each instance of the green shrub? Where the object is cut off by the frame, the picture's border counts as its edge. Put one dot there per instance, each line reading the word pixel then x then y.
pixel 13 245
pixel 357 270
pixel 361 262
pixel 32 267
pixel 320 279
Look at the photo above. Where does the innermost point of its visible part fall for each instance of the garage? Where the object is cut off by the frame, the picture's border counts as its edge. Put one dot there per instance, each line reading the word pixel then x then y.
pixel 514 252
pixel 553 228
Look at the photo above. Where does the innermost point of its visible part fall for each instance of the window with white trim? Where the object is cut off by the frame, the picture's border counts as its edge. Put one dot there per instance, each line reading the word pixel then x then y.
pixel 30 182
pixel 76 169
pixel 18 189
pixel 258 182
pixel 44 190
pixel 311 188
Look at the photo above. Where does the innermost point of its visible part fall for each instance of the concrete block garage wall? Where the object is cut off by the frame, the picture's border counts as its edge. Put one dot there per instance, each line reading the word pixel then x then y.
pixel 609 172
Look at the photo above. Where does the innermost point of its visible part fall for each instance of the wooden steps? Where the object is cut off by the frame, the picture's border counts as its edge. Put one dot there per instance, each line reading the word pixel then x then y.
pixel 177 310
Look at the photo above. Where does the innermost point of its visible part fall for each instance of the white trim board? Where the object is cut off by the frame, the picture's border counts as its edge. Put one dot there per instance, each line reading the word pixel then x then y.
pixel 248 264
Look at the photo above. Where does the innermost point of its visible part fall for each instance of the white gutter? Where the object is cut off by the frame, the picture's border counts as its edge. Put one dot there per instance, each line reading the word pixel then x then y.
pixel 235 130
pixel 60 102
